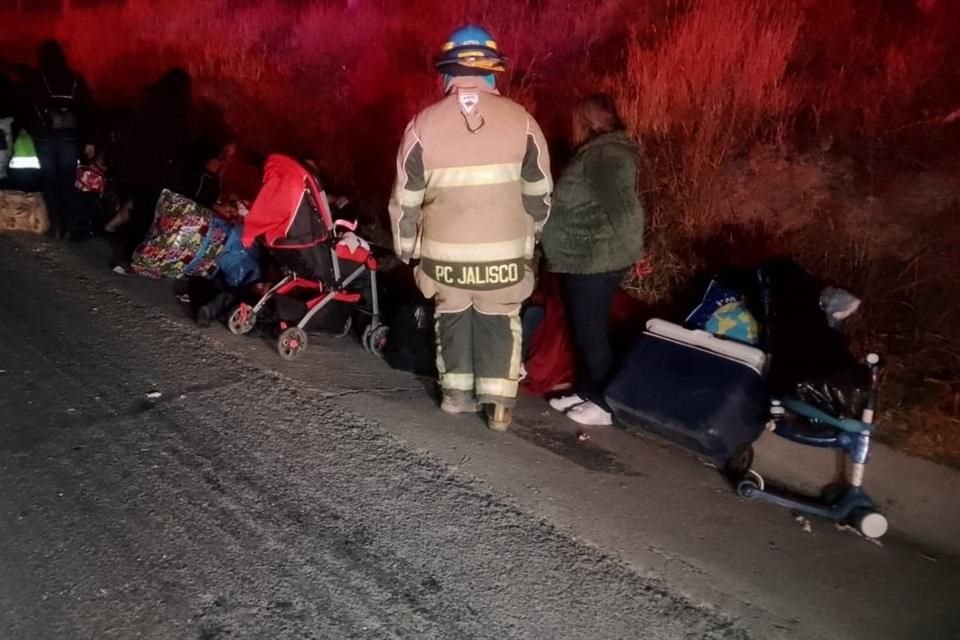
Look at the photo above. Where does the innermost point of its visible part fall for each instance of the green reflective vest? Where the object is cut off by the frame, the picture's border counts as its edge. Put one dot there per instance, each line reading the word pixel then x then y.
pixel 24 152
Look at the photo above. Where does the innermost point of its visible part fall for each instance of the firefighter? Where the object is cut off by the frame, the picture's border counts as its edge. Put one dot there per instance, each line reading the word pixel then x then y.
pixel 471 197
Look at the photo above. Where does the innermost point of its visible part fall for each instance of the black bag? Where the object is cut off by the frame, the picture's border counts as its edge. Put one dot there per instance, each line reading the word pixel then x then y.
pixel 798 337
pixel 411 345
pixel 59 113
pixel 842 393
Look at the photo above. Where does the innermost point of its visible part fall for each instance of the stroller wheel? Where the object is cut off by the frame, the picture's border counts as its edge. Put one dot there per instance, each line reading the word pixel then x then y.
pixel 365 338
pixel 242 320
pixel 292 343
pixel 375 340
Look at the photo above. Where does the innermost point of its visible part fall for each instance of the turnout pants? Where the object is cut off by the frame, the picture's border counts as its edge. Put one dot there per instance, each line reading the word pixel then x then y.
pixel 479 341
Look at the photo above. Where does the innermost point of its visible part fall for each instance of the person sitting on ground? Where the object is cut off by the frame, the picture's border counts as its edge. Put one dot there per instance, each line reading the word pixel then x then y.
pixel 202 182
pixel 594 235
pixel 203 176
pixel 151 152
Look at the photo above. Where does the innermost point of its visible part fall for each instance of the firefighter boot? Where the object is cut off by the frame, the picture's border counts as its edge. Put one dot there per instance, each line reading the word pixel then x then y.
pixel 454 405
pixel 499 417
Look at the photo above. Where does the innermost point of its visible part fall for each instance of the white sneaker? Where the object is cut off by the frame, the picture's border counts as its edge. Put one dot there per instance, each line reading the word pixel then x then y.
pixel 590 414
pixel 565 403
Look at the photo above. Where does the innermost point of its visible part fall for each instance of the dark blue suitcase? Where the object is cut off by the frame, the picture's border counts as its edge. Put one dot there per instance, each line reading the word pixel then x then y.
pixel 694 389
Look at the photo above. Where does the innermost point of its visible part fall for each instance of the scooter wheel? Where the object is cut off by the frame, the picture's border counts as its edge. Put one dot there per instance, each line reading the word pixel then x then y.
pixel 748 488
pixel 872 524
pixel 242 320
pixel 292 343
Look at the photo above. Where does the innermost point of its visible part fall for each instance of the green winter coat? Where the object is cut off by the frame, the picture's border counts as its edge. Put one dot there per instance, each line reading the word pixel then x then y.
pixel 596 225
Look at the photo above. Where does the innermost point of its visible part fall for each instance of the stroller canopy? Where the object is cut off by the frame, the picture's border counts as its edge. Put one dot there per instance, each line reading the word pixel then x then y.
pixel 290 207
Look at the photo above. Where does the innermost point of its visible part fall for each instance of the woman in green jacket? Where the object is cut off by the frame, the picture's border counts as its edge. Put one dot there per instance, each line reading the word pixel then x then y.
pixel 595 234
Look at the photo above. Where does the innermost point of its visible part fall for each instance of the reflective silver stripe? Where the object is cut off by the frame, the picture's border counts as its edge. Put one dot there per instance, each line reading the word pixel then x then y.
pixel 457 381
pixel 25 162
pixel 538 188
pixel 475 176
pixel 498 387
pixel 516 329
pixel 438 342
pixel 408 245
pixel 412 198
pixel 476 252
pixel 537 203
pixel 408 160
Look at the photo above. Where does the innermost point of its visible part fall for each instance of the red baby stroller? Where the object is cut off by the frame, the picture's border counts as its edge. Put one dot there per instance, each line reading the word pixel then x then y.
pixel 321 258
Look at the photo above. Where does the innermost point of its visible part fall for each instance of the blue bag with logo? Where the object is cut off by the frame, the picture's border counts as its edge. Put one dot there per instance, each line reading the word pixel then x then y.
pixel 237 264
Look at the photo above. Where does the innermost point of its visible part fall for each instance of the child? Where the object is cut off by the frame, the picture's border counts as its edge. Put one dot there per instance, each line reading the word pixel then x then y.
pixel 93 208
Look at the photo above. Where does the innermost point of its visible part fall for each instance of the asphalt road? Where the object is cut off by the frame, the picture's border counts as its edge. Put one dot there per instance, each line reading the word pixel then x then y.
pixel 242 504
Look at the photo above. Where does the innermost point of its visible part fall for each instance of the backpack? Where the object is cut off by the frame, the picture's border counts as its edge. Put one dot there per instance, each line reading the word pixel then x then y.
pixel 411 344
pixel 60 111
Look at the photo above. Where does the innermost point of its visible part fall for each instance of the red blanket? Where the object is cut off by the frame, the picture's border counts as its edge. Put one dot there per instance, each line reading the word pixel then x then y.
pixel 551 363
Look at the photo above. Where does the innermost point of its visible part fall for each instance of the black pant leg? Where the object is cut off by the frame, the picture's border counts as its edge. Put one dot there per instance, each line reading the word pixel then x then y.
pixel 588 299
pixel 67 156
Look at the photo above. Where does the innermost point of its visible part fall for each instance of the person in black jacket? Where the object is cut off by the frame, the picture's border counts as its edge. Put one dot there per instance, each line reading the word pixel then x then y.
pixel 60 123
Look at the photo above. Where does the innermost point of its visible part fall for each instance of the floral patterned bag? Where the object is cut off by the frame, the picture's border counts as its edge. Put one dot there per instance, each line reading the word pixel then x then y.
pixel 185 240
pixel 90 179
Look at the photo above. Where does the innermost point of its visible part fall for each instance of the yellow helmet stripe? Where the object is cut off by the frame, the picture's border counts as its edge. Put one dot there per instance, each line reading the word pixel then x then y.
pixel 490 65
pixel 489 44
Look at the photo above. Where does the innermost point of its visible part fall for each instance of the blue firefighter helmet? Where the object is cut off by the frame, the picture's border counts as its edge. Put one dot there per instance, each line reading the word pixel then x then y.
pixel 470 50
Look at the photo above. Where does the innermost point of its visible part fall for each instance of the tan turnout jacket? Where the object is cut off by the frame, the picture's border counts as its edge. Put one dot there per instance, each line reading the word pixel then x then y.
pixel 473 189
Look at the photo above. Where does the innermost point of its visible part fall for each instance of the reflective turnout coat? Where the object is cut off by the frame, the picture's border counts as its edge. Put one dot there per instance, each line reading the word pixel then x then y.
pixel 473 190
pixel 472 193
